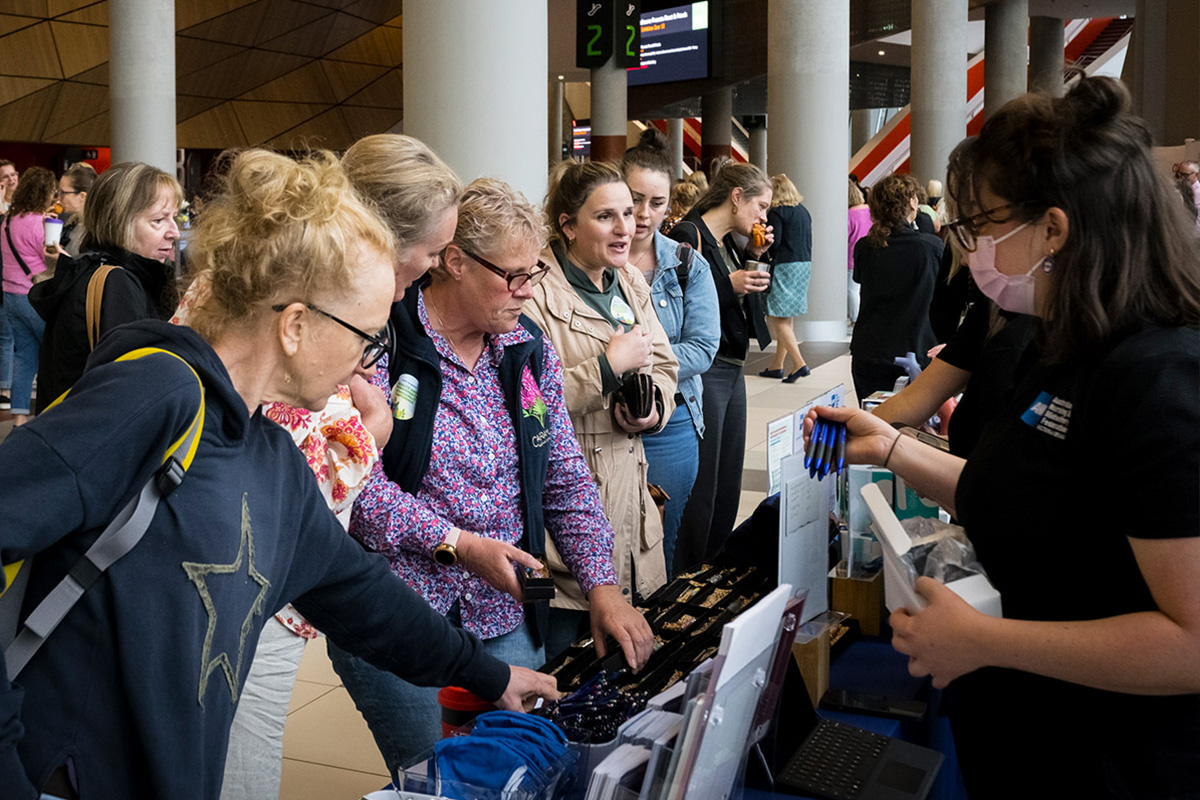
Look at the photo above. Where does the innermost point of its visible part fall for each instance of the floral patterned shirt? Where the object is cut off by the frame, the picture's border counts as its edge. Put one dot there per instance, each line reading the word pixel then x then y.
pixel 473 483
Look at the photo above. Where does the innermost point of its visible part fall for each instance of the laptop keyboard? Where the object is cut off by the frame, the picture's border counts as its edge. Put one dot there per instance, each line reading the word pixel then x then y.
pixel 836 760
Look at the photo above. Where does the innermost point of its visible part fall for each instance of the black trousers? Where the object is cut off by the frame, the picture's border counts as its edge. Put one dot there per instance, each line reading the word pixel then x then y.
pixel 712 509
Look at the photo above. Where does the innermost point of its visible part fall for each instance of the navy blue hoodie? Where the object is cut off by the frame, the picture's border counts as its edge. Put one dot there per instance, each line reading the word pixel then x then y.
pixel 139 684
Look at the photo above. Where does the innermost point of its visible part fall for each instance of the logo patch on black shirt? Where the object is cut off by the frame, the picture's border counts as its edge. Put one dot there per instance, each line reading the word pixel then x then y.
pixel 1049 414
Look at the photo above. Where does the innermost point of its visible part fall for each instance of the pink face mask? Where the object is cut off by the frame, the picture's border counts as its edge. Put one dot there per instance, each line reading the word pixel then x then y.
pixel 1011 292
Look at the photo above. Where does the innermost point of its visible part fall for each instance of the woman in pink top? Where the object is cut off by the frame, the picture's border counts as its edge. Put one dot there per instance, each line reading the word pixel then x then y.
pixel 21 253
pixel 860 223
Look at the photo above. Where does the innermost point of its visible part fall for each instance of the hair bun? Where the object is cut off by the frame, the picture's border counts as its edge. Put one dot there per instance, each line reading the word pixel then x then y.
pixel 653 139
pixel 1096 101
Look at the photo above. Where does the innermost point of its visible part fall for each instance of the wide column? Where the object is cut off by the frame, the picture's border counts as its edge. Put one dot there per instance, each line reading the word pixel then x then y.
pixel 480 113
pixel 1047 43
pixel 716 126
pixel 141 35
pixel 758 145
pixel 808 102
pixel 675 137
pixel 1006 26
pixel 609 112
pixel 939 84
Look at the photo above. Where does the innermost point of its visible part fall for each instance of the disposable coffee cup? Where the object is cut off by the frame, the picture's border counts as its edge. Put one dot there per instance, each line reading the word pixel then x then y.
pixel 53 228
pixel 756 266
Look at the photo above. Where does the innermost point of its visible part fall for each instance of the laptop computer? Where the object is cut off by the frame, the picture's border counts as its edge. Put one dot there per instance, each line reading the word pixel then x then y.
pixel 829 759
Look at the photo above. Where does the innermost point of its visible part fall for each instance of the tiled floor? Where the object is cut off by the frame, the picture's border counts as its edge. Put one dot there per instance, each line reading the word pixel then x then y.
pixel 328 753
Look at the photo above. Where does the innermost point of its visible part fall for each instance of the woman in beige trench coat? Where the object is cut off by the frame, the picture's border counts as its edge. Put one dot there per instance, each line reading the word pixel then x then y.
pixel 597 311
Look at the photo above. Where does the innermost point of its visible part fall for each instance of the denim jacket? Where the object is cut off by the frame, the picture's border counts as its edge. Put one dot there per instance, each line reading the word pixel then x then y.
pixel 690 319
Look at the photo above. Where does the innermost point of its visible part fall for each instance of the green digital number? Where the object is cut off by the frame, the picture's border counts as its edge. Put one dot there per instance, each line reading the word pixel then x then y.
pixel 629 44
pixel 591 48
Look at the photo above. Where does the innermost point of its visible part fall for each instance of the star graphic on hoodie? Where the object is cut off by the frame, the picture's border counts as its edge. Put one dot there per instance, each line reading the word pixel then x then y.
pixel 198 573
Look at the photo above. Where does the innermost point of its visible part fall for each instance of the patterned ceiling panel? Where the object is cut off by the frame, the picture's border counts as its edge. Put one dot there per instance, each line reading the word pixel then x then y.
pixel 280 72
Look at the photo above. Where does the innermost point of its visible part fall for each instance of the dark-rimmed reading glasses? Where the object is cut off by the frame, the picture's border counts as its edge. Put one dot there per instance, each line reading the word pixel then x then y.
pixel 964 228
pixel 377 345
pixel 515 280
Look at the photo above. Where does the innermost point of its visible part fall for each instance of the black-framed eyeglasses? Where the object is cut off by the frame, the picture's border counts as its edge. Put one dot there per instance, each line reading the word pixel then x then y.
pixel 964 228
pixel 377 345
pixel 515 280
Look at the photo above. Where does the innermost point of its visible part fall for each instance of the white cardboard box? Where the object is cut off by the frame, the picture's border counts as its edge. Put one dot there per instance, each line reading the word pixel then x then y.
pixel 897 589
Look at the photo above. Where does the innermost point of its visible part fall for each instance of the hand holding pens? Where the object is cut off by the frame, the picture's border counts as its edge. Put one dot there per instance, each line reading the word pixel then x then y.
pixel 826 451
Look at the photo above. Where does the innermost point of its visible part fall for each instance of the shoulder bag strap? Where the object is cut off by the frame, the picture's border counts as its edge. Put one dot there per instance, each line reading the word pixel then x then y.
pixel 95 296
pixel 121 536
pixel 13 247
pixel 685 253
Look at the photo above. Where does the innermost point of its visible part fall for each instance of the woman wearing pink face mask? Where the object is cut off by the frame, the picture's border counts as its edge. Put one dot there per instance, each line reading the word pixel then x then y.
pixel 1082 497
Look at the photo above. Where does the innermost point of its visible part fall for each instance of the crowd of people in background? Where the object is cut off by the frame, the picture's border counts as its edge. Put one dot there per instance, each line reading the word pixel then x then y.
pixel 485 391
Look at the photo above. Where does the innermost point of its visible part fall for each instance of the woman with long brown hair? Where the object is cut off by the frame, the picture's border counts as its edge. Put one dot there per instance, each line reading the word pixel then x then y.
pixel 1082 497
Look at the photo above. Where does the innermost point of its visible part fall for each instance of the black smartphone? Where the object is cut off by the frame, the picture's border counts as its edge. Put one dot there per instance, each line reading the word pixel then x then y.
pixel 876 705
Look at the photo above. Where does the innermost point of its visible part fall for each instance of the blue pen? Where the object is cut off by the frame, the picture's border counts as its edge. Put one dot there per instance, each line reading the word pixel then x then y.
pixel 828 439
pixel 841 448
pixel 819 452
pixel 815 440
pixel 812 442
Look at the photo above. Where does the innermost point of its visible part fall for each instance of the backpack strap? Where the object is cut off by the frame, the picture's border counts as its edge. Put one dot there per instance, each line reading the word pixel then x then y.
pixel 122 535
pixel 13 247
pixel 95 296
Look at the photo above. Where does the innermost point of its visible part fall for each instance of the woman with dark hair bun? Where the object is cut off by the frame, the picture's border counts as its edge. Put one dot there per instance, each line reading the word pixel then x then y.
pixel 896 267
pixel 1082 497
pixel 685 300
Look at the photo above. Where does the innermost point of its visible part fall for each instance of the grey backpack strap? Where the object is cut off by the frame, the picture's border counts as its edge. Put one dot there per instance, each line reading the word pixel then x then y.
pixel 122 535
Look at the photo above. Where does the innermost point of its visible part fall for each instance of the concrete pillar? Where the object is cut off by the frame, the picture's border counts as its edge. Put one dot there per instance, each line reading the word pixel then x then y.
pixel 141 35
pixel 675 137
pixel 716 126
pixel 1162 69
pixel 556 120
pixel 609 112
pixel 1006 25
pixel 502 83
pixel 1047 41
pixel 862 128
pixel 808 103
pixel 939 84
pixel 758 146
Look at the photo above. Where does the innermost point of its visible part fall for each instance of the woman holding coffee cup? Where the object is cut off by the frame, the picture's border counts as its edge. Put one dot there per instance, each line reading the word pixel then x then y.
pixel 736 203
pixel 73 188
pixel 596 309
pixel 21 248
pixel 129 223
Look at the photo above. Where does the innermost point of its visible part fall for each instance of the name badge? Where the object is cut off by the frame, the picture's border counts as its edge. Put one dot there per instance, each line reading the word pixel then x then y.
pixel 621 310
pixel 404 397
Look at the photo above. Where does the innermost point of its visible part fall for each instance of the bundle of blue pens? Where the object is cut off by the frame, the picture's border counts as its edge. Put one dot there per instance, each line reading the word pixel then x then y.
pixel 594 711
pixel 826 451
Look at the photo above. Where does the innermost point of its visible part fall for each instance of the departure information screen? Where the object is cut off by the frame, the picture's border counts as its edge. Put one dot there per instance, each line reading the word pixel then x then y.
pixel 674 45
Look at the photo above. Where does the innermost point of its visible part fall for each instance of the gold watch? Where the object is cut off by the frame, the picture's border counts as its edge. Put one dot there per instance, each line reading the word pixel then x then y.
pixel 446 553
